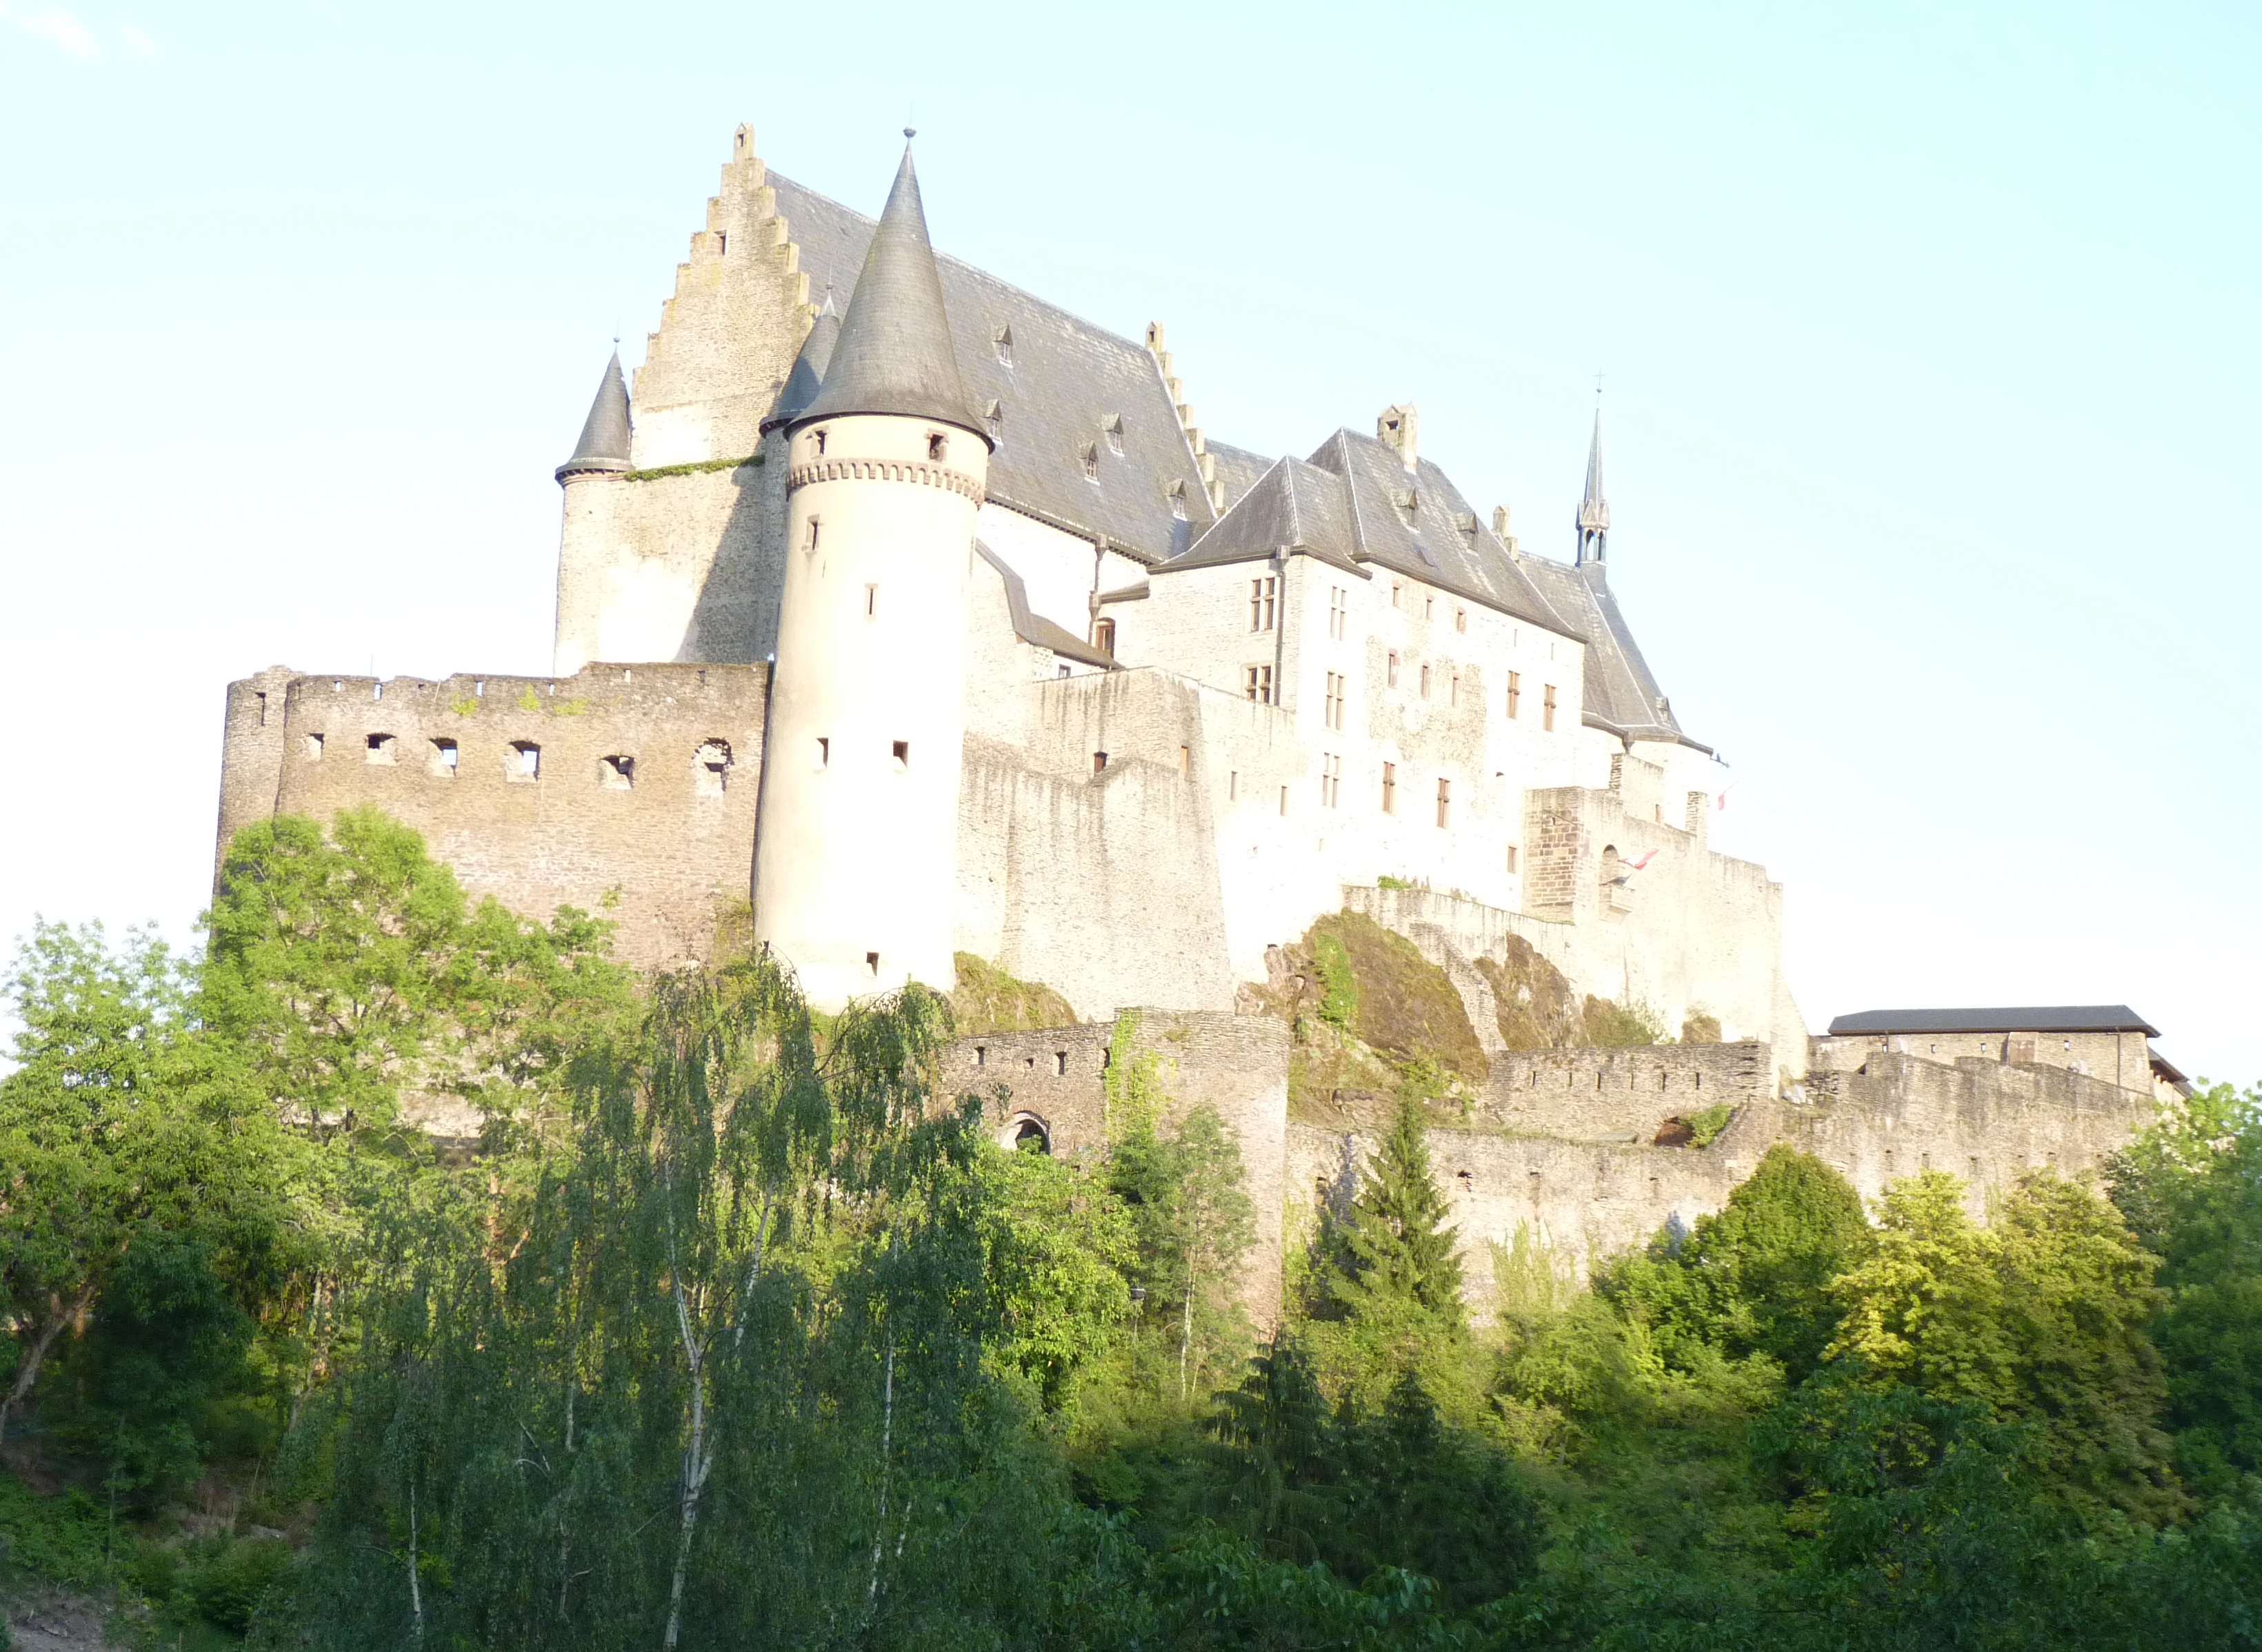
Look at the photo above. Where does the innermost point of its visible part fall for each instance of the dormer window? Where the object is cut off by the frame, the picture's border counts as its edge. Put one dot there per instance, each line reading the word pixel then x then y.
pixel 1112 427
pixel 938 445
pixel 1179 502
pixel 1002 338
pixel 1409 506
pixel 994 416
pixel 1092 462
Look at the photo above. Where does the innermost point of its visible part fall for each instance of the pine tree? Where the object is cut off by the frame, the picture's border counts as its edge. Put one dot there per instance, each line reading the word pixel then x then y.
pixel 1397 1252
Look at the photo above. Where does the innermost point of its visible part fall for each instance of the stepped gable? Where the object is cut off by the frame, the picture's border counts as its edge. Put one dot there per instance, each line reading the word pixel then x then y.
pixel 1619 694
pixel 1238 469
pixel 1292 506
pixel 1049 408
pixel 1415 523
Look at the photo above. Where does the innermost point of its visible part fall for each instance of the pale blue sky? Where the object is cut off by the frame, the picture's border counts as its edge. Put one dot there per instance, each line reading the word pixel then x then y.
pixel 1931 336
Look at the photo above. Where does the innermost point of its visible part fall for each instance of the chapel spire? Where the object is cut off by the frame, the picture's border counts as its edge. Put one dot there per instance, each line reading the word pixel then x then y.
pixel 1594 508
pixel 894 354
pixel 604 444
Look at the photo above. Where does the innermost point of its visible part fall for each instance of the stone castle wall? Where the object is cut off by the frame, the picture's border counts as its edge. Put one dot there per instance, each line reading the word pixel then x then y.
pixel 668 842
pixel 1236 1064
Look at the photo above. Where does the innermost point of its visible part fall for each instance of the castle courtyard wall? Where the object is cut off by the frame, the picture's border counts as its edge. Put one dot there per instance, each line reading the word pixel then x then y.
pixel 663 849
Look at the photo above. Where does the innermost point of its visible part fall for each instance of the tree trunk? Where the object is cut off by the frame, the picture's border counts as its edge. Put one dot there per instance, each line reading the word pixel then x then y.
pixel 28 1372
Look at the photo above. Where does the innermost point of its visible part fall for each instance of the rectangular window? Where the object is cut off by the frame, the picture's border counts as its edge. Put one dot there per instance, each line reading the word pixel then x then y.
pixel 1103 636
pixel 1391 674
pixel 1330 781
pixel 1256 682
pixel 1390 788
pixel 1336 695
pixel 815 525
pixel 1284 800
pixel 1099 761
pixel 1338 614
pixel 1547 708
pixel 901 751
pixel 1233 786
pixel 871 600
pixel 1428 606
pixel 1515 691
pixel 823 751
pixel 1454 687
pixel 1460 619
pixel 1262 595
pixel 1425 679
pixel 1444 802
pixel 1511 858
pixel 1397 593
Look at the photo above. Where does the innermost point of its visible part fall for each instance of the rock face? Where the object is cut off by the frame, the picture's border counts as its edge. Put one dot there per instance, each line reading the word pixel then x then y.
pixel 50 1620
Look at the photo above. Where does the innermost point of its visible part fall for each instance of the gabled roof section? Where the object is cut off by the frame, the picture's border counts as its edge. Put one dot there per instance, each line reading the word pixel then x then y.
pixel 1415 523
pixel 604 443
pixel 1237 469
pixel 807 374
pixel 1619 696
pixel 2017 1018
pixel 1057 380
pixel 1031 627
pixel 895 353
pixel 1293 506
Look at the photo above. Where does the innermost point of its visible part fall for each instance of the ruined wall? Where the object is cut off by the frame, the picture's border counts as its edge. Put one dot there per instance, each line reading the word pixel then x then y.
pixel 1620 1095
pixel 672 833
pixel 1984 1122
pixel 1236 1064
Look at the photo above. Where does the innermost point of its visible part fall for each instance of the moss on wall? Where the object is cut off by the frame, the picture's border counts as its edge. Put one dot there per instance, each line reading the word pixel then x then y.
pixel 1401 1003
pixel 1537 1007
pixel 986 999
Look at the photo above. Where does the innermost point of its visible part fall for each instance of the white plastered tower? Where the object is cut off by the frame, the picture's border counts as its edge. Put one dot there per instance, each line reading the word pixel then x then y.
pixel 856 856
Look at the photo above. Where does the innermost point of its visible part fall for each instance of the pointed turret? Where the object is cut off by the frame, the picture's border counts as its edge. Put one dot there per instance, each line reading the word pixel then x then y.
pixel 894 354
pixel 604 444
pixel 1594 508
pixel 807 374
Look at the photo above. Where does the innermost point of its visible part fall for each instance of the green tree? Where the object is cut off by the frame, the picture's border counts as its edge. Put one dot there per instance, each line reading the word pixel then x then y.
pixel 1057 1245
pixel 2039 1318
pixel 1754 1278
pixel 145 1182
pixel 1399 1261
pixel 2190 1187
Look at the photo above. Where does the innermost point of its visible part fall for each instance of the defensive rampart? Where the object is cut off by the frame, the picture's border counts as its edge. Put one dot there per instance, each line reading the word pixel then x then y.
pixel 631 788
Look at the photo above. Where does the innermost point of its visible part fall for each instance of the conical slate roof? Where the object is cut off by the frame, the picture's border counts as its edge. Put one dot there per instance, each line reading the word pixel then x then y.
pixel 894 354
pixel 801 383
pixel 604 444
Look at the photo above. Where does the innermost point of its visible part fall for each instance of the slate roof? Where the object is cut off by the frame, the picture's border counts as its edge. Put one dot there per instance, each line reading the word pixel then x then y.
pixel 1237 469
pixel 604 443
pixel 1067 379
pixel 1292 506
pixel 808 374
pixel 1618 695
pixel 2024 1018
pixel 1031 627
pixel 895 353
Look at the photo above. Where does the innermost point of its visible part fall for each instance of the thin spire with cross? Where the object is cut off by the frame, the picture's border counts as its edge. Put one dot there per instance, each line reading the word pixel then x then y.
pixel 1593 504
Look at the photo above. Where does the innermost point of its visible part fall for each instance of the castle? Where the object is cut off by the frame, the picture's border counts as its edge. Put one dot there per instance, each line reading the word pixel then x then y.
pixel 923 613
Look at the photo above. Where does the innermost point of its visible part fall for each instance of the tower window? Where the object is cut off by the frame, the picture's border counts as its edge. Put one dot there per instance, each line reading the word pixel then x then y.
pixel 901 750
pixel 1547 707
pixel 444 758
pixel 1425 679
pixel 1257 683
pixel 938 445
pixel 1103 636
pixel 1263 593
pixel 525 760
pixel 816 442
pixel 1338 612
pixel 1390 788
pixel 824 752
pixel 1002 338
pixel 871 600
pixel 1444 802
pixel 712 768
pixel 1330 781
pixel 1335 696
pixel 1060 1063
pixel 618 773
pixel 1233 786
pixel 872 962
pixel 1511 858
pixel 1390 670
pixel 1515 691
pixel 380 749
pixel 815 528
pixel 314 747
pixel 1099 761
pixel 1284 801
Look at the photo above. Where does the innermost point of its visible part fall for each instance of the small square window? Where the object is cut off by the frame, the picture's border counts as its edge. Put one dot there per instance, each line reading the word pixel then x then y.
pixel 1098 762
pixel 444 756
pixel 380 749
pixel 618 772
pixel 938 445
pixel 314 747
pixel 902 751
pixel 525 760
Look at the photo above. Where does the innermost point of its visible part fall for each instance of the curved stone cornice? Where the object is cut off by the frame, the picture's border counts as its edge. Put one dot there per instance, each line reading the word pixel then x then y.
pixel 911 470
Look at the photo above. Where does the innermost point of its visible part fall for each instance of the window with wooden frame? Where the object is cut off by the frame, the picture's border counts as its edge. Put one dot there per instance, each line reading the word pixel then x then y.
pixel 1515 692
pixel 1103 636
pixel 1338 614
pixel 1330 781
pixel 1397 593
pixel 1547 708
pixel 1444 802
pixel 1256 683
pixel 1338 693
pixel 1390 788
pixel 1263 593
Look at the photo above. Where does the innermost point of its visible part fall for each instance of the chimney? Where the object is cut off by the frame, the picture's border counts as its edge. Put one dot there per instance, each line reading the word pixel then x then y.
pixel 1397 428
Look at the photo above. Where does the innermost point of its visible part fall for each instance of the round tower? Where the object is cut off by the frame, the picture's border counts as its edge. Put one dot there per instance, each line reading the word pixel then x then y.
pixel 586 540
pixel 856 852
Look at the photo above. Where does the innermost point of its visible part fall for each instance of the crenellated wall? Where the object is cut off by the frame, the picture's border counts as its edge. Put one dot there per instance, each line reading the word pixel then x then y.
pixel 662 847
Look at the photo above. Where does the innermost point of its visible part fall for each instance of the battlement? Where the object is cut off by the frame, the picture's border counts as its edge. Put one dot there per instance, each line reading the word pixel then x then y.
pixel 632 785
